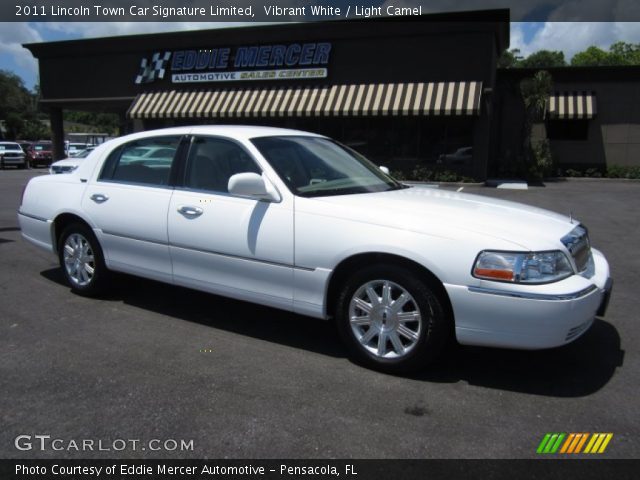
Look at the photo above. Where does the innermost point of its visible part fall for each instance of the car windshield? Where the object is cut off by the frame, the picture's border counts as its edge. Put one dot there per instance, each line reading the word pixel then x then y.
pixel 316 166
pixel 9 146
pixel 83 154
pixel 41 147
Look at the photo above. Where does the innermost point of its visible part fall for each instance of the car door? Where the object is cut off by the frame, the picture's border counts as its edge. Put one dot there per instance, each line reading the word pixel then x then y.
pixel 234 246
pixel 128 202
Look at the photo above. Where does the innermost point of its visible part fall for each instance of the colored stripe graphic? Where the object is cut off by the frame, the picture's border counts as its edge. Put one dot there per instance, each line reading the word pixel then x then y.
pixel 598 442
pixel 550 443
pixel 543 443
pixel 573 443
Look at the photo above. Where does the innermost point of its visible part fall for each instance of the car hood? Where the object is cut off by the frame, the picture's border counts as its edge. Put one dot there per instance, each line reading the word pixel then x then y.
pixel 440 212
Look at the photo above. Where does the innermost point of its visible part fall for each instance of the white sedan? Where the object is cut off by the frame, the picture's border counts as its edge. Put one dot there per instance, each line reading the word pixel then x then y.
pixel 68 165
pixel 296 221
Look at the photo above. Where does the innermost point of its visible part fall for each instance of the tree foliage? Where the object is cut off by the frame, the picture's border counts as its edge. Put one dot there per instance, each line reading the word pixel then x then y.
pixel 540 59
pixel 18 109
pixel 509 58
pixel 543 59
pixel 91 122
pixel 619 53
pixel 535 93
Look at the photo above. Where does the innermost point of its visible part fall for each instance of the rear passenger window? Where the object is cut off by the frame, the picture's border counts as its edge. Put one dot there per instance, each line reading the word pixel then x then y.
pixel 145 161
pixel 212 161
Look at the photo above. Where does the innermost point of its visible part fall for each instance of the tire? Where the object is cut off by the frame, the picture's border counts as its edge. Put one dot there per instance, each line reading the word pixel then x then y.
pixel 82 260
pixel 380 339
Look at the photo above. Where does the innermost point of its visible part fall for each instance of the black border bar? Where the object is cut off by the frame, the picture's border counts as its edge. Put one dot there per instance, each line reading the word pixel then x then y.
pixel 542 469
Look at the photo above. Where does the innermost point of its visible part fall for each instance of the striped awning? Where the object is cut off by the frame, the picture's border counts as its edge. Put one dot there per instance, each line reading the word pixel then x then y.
pixel 402 99
pixel 572 105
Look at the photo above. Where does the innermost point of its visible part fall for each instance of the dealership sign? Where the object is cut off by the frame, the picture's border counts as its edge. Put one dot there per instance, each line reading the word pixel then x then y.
pixel 265 62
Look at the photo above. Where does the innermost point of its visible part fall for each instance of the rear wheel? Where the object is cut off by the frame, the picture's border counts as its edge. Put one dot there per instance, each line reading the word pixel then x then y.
pixel 390 319
pixel 82 260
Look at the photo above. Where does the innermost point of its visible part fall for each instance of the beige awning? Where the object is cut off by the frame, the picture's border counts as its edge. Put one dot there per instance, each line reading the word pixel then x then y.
pixel 401 99
pixel 572 105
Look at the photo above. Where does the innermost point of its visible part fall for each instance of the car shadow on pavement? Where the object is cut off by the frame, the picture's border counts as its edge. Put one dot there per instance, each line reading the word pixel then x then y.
pixel 235 316
pixel 8 229
pixel 578 369
pixel 575 370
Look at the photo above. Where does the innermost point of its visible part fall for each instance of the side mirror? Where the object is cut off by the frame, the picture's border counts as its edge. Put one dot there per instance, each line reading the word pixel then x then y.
pixel 385 170
pixel 252 185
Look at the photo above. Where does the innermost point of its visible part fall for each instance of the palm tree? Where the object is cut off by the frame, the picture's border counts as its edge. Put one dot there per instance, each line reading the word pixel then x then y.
pixel 535 93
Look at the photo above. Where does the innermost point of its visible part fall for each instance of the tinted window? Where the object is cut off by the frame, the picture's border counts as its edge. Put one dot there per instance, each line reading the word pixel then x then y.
pixel 314 166
pixel 212 161
pixel 134 162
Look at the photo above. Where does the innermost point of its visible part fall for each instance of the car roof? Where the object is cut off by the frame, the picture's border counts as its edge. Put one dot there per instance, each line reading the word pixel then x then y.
pixel 234 131
pixel 10 143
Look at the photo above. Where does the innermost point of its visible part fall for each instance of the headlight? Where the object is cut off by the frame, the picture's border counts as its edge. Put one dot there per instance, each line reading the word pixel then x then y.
pixel 522 267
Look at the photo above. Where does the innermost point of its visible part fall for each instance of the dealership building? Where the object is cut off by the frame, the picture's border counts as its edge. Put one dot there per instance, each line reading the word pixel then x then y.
pixel 404 91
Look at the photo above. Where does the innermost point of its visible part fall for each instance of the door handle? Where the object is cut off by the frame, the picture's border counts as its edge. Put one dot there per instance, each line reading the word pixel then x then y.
pixel 99 198
pixel 188 211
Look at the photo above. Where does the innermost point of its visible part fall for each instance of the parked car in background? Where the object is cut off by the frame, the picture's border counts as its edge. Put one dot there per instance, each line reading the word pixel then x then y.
pixel 299 222
pixel 68 165
pixel 461 157
pixel 25 145
pixel 12 155
pixel 75 148
pixel 41 153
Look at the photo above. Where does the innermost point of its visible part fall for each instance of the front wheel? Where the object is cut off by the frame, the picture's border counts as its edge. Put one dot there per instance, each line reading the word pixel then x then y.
pixel 82 260
pixel 391 319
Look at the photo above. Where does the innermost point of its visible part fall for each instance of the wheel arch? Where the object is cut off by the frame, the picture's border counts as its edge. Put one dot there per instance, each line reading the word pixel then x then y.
pixel 342 271
pixel 62 221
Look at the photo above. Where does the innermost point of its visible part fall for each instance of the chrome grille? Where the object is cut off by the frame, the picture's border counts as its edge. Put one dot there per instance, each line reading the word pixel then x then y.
pixel 577 242
pixel 59 169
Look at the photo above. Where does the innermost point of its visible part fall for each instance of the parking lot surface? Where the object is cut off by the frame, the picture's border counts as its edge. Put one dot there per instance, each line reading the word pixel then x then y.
pixel 151 361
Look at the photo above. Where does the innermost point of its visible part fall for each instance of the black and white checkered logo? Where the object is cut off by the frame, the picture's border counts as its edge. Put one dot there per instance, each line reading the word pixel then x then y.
pixel 154 69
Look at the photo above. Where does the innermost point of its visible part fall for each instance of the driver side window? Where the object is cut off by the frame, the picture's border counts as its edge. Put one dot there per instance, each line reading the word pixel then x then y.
pixel 212 161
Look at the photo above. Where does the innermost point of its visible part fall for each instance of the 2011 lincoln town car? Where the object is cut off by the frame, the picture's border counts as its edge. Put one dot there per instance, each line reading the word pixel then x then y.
pixel 296 221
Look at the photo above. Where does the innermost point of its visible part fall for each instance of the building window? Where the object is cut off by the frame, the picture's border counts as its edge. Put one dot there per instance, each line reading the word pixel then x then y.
pixel 567 129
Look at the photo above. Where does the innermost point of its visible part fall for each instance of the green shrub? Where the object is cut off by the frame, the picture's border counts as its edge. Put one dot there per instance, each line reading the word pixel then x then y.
pixel 399 175
pixel 446 176
pixel 623 171
pixel 422 173
pixel 570 172
pixel 542 160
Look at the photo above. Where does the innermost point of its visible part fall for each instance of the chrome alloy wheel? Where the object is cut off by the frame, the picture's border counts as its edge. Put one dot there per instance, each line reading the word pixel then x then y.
pixel 78 259
pixel 385 319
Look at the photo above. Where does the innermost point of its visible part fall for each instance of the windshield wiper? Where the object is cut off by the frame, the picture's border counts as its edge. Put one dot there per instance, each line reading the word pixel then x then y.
pixel 332 192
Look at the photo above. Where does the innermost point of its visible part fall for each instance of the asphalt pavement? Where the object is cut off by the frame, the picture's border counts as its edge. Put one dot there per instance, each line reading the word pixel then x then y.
pixel 155 362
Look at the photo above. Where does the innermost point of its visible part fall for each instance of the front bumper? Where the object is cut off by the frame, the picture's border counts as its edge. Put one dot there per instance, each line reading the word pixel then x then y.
pixel 37 161
pixel 531 316
pixel 13 161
